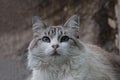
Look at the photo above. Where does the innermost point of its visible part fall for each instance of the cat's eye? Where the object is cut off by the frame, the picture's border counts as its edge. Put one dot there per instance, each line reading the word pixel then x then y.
pixel 46 39
pixel 64 39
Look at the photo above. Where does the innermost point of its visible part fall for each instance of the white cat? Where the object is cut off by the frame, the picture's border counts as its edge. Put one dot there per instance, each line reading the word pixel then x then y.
pixel 56 53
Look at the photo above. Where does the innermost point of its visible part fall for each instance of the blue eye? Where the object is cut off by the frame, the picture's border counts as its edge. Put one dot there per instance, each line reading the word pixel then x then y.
pixel 46 39
pixel 64 39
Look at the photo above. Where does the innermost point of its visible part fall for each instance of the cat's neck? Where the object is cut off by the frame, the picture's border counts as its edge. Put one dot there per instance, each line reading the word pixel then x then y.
pixel 70 65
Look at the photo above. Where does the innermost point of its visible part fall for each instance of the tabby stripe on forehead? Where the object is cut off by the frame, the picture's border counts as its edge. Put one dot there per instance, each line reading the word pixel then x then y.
pixel 54 30
pixel 48 32
pixel 60 31
pixel 51 31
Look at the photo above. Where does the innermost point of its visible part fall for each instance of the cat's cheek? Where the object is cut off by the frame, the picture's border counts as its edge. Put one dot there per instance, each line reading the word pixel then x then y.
pixel 48 52
pixel 64 45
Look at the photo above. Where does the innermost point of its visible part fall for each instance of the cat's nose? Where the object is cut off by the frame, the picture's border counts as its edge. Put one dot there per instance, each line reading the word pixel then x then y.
pixel 55 46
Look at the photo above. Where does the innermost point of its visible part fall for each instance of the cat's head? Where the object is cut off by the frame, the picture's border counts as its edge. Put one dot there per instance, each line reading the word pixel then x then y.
pixel 54 43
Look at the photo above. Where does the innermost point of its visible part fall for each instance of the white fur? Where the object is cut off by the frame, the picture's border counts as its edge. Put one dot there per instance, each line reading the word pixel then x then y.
pixel 87 64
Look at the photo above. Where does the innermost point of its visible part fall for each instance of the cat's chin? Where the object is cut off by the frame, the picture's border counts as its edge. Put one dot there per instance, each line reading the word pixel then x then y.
pixel 55 53
pixel 55 58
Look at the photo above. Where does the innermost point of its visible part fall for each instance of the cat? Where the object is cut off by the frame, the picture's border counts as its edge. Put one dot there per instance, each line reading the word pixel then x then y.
pixel 57 53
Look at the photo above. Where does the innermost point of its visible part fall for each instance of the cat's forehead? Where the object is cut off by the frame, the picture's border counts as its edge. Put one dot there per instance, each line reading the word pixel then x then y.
pixel 54 30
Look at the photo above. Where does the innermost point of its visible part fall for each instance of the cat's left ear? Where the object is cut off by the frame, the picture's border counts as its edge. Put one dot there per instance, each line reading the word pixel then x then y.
pixel 38 25
pixel 73 24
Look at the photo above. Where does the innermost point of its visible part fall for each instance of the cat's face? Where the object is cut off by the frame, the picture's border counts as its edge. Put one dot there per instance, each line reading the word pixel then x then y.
pixel 54 42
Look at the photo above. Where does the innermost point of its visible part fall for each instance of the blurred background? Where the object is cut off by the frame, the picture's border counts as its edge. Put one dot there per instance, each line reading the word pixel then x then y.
pixel 99 25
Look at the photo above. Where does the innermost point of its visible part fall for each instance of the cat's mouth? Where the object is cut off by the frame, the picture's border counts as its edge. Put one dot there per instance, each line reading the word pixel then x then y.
pixel 55 53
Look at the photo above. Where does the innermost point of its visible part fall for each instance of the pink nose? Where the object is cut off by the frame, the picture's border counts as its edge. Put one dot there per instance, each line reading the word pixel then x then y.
pixel 55 46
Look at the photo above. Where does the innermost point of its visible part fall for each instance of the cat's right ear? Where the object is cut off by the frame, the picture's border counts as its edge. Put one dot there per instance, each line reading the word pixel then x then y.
pixel 37 25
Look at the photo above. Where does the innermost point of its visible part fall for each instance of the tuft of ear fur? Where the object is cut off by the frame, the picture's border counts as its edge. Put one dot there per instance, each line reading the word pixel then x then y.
pixel 38 25
pixel 72 24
